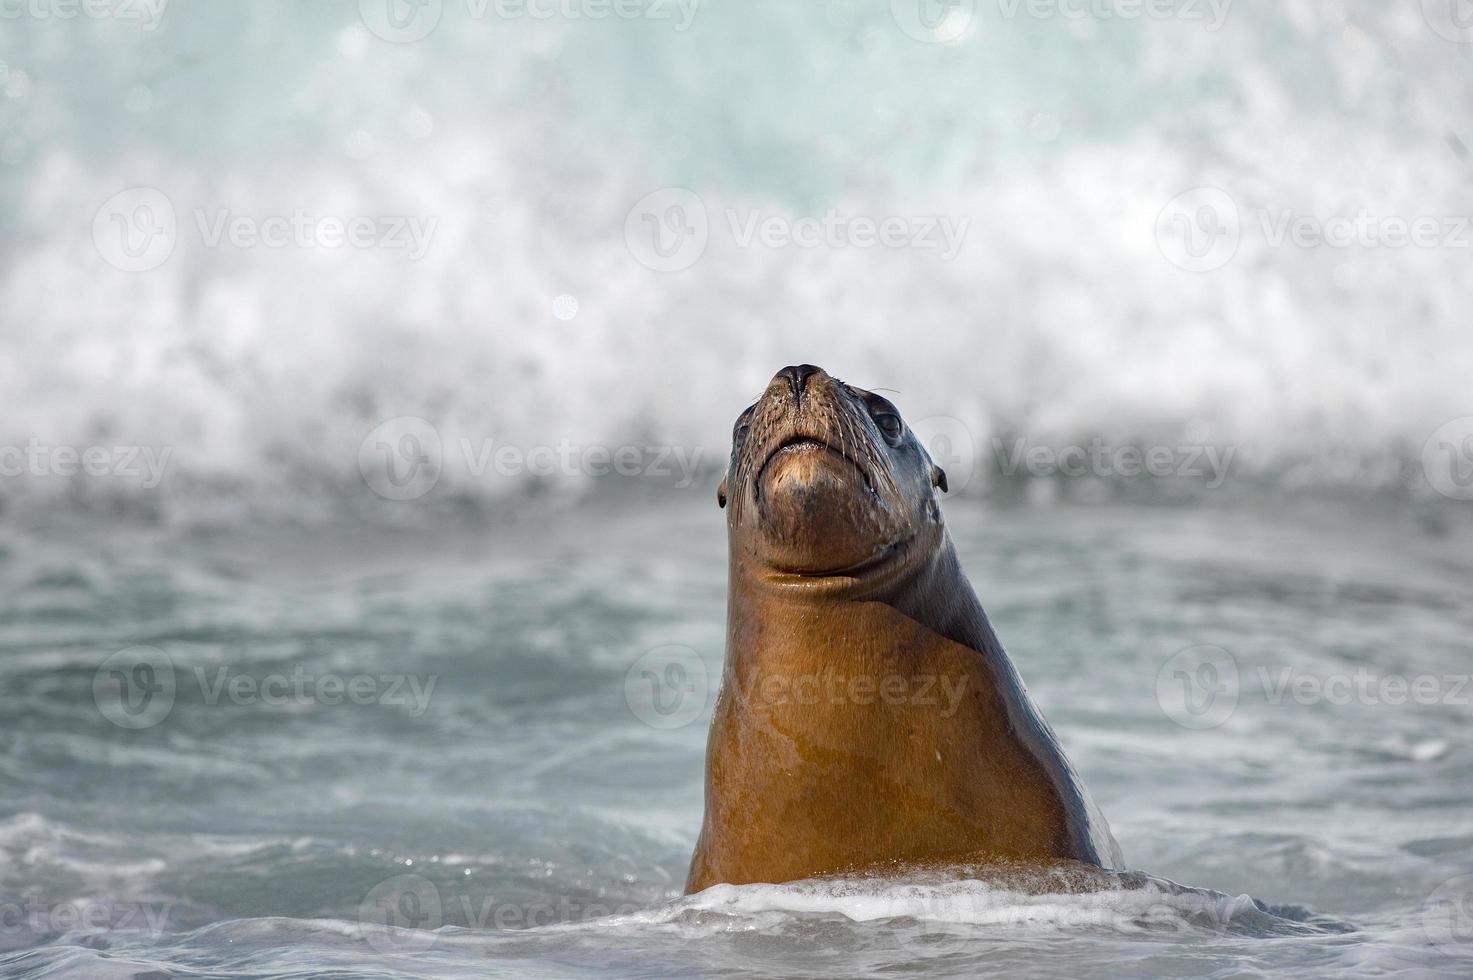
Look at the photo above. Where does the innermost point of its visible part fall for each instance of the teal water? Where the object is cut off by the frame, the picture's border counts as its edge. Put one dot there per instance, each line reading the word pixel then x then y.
pixel 535 310
pixel 533 817
pixel 1258 677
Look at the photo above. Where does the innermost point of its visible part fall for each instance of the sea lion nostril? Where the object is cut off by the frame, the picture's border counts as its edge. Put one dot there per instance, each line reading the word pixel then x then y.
pixel 798 375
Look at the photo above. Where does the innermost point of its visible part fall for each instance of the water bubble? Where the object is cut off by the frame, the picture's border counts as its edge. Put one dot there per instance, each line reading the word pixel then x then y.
pixel 565 307
pixel 353 42
pixel 17 84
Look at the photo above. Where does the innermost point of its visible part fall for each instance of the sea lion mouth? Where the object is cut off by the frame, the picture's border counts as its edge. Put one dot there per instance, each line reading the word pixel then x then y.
pixel 876 564
pixel 802 443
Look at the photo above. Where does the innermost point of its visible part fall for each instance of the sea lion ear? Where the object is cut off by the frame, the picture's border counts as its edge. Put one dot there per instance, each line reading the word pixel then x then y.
pixel 938 477
pixel 721 494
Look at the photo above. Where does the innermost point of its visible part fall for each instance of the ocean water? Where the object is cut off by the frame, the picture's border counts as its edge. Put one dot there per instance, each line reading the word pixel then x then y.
pixel 532 815
pixel 553 166
pixel 330 645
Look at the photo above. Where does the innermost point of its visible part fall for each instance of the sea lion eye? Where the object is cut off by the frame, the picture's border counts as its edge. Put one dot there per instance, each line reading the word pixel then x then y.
pixel 743 426
pixel 889 425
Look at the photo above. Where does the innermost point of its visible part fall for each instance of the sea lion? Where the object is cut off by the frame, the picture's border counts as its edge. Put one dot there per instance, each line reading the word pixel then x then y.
pixel 868 717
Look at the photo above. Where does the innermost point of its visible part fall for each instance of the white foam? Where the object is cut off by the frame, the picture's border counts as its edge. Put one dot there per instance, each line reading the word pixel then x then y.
pixel 264 370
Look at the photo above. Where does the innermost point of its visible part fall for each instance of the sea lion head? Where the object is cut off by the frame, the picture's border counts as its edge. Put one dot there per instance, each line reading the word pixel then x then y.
pixel 826 479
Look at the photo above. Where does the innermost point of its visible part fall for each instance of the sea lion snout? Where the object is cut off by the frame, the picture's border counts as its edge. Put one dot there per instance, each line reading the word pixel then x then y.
pixel 797 376
pixel 824 475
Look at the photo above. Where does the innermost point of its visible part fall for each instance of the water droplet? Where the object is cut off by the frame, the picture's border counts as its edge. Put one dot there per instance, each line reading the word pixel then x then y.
pixel 353 42
pixel 17 84
pixel 565 307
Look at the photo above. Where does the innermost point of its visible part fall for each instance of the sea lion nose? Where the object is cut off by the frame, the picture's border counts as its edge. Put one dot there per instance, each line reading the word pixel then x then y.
pixel 797 375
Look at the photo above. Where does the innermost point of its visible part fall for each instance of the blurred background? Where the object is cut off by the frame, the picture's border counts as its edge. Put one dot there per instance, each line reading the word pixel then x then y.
pixel 401 340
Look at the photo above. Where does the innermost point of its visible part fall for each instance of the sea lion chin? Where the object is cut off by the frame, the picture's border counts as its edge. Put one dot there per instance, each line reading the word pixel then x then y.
pixel 868 716
pixel 816 507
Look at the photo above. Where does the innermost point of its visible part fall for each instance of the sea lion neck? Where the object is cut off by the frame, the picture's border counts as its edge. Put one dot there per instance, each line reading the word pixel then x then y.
pixel 928 587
